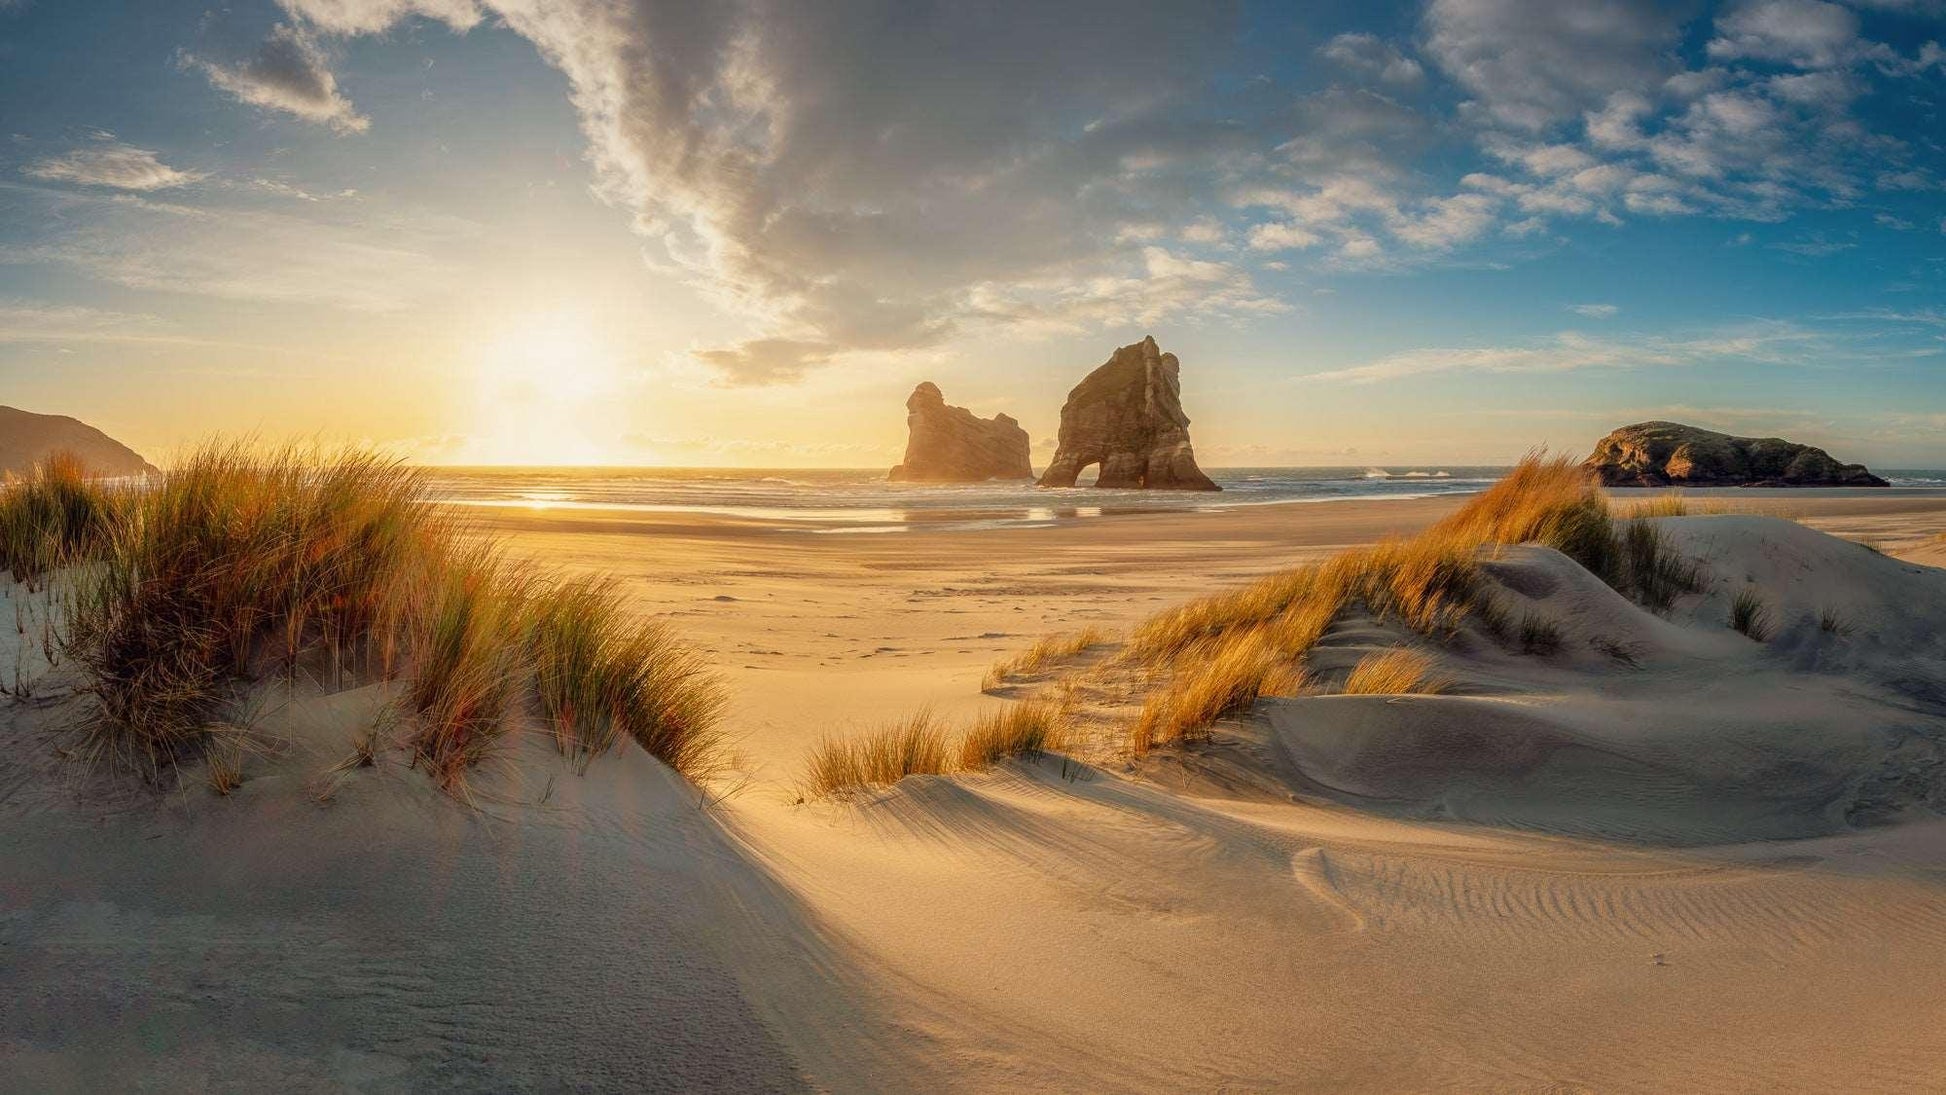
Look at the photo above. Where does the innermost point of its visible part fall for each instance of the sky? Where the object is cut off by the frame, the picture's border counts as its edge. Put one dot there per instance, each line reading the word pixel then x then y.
pixel 738 233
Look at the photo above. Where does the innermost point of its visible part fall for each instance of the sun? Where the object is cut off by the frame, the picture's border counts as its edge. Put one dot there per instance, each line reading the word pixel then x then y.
pixel 548 390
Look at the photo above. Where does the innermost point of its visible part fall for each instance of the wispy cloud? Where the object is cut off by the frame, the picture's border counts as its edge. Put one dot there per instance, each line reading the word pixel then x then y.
pixel 289 73
pixel 364 264
pixel 109 163
pixel 1370 55
pixel 1814 246
pixel 1595 311
pixel 1569 351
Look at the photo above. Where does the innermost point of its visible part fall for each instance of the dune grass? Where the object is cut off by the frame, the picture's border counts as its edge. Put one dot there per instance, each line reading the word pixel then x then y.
pixel 1538 634
pixel 1432 582
pixel 230 565
pixel 467 647
pixel 1223 678
pixel 1662 505
pixel 55 515
pixel 1209 651
pixel 1833 622
pixel 1671 504
pixel 236 566
pixel 603 678
pixel 1027 730
pixel 924 744
pixel 1049 650
pixel 1395 672
pixel 1750 614
pixel 920 744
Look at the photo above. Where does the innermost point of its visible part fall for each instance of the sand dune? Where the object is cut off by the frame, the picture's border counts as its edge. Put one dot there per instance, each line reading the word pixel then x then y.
pixel 1680 729
pixel 1570 874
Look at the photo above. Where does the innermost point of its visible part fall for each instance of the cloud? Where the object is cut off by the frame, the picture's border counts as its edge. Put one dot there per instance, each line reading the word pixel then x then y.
pixel 36 321
pixel 1774 343
pixel 1282 237
pixel 112 164
pixel 1906 180
pixel 1369 55
pixel 1595 311
pixel 372 16
pixel 858 185
pixel 355 261
pixel 1814 246
pixel 290 73
pixel 1804 33
pixel 1445 223
pixel 846 185
pixel 1532 63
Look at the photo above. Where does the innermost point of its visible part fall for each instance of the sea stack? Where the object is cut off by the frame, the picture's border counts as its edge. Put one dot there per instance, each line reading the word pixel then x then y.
pixel 954 445
pixel 1127 417
pixel 1670 454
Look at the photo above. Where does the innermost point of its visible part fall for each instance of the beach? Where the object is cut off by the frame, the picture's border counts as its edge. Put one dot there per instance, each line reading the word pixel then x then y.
pixel 1059 934
pixel 833 632
pixel 1048 925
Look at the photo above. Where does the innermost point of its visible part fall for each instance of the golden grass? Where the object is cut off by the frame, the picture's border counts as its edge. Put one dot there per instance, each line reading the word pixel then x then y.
pixel 224 770
pixel 55 515
pixel 1219 681
pixel 1049 650
pixel 467 649
pixel 922 744
pixel 236 564
pixel 1395 672
pixel 1019 730
pixel 918 745
pixel 1662 505
pixel 1216 654
pixel 233 564
pixel 603 677
pixel 1668 505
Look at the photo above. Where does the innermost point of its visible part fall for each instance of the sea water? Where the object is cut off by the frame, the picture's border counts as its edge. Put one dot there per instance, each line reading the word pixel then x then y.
pixel 840 500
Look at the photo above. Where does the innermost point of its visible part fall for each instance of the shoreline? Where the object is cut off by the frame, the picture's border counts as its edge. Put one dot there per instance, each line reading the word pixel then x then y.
pixel 1807 503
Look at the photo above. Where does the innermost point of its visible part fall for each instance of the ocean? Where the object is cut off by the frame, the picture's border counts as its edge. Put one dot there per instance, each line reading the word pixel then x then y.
pixel 858 500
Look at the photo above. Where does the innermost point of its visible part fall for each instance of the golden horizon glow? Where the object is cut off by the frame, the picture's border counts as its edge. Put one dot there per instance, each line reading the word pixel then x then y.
pixel 548 391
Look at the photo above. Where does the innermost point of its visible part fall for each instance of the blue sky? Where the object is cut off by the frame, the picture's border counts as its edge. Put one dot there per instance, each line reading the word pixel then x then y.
pixel 649 231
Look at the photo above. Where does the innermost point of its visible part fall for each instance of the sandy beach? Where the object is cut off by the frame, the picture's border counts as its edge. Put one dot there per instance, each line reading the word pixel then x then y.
pixel 1046 926
pixel 828 632
pixel 1025 931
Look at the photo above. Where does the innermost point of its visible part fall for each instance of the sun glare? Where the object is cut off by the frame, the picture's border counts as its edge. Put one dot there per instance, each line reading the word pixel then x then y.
pixel 548 391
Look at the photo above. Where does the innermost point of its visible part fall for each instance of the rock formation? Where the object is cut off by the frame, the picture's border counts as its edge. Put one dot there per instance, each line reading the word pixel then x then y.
pixel 954 445
pixel 1127 417
pixel 27 438
pixel 1670 454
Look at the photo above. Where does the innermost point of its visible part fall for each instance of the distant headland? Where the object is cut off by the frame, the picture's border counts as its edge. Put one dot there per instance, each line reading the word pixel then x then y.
pixel 1670 454
pixel 27 438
